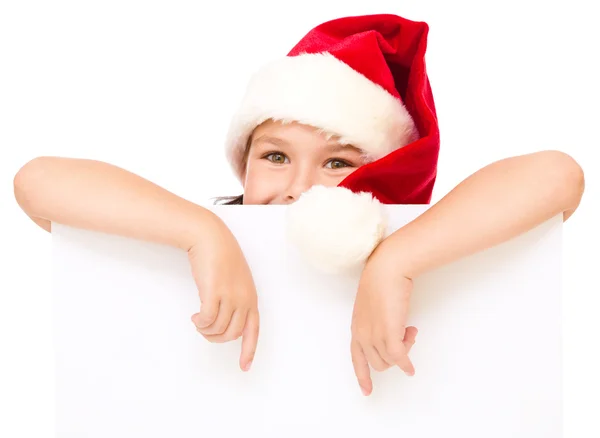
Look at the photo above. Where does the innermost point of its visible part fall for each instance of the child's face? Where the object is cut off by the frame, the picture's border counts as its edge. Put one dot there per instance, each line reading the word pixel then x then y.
pixel 286 160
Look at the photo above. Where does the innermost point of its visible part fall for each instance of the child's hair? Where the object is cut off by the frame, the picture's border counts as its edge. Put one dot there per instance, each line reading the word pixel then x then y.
pixel 236 200
pixel 230 200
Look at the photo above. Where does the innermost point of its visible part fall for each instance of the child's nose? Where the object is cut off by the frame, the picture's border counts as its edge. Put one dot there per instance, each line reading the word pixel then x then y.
pixel 301 182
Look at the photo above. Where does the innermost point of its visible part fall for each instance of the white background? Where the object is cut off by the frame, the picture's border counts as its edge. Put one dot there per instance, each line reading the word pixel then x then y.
pixel 150 86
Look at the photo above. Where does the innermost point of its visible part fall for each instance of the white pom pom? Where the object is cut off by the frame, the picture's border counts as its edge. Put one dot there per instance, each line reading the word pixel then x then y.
pixel 335 229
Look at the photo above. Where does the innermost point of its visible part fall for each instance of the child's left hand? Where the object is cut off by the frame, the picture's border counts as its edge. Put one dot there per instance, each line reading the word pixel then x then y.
pixel 380 337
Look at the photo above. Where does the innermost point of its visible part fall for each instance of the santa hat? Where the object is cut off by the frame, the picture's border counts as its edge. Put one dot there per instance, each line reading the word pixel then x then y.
pixel 364 80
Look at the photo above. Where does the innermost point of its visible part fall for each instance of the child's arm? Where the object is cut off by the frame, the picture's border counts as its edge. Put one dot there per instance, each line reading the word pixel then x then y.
pixel 98 196
pixel 495 204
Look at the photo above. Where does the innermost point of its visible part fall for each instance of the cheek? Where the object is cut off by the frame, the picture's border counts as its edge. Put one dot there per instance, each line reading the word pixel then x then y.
pixel 332 179
pixel 259 186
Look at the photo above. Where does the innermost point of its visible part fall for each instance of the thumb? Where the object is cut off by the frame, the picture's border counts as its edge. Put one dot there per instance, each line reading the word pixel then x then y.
pixel 409 338
pixel 209 310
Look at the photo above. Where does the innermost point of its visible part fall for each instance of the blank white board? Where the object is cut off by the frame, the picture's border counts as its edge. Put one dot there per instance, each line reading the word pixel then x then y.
pixel 130 364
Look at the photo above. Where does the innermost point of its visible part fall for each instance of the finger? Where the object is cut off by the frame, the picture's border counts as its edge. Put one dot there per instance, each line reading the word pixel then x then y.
pixel 361 368
pixel 234 329
pixel 398 354
pixel 250 339
pixel 222 321
pixel 375 359
pixel 410 338
pixel 382 351
pixel 209 310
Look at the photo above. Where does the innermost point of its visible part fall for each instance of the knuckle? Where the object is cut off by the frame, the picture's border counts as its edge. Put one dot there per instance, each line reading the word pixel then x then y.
pixel 379 367
pixel 394 346
pixel 382 364
pixel 207 317
pixel 220 329
pixel 396 353
pixel 221 339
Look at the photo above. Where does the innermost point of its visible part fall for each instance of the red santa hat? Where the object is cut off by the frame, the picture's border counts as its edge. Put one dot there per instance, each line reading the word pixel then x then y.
pixel 364 80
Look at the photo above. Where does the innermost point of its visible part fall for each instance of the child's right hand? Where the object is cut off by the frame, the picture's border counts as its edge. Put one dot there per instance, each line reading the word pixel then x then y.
pixel 102 197
pixel 229 304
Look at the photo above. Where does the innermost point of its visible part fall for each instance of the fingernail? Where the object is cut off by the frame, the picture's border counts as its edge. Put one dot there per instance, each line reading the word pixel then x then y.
pixel 248 365
pixel 364 391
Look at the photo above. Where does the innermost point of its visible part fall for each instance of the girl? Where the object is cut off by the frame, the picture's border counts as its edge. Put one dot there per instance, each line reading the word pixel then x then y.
pixel 349 108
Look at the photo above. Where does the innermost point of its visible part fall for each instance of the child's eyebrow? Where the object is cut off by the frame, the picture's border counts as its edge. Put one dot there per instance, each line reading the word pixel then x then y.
pixel 269 139
pixel 331 147
pixel 337 147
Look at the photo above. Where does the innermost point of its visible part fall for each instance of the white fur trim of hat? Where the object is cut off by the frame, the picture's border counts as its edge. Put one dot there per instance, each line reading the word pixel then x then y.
pixel 321 91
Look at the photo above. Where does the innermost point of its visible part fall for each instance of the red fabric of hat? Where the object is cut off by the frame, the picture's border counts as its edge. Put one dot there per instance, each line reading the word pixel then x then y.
pixel 390 51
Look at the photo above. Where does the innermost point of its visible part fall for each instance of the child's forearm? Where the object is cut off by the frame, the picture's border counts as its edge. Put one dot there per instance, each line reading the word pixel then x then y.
pixel 97 196
pixel 495 204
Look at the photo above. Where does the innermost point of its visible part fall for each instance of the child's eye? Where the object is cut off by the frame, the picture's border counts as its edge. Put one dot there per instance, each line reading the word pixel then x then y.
pixel 337 164
pixel 276 158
